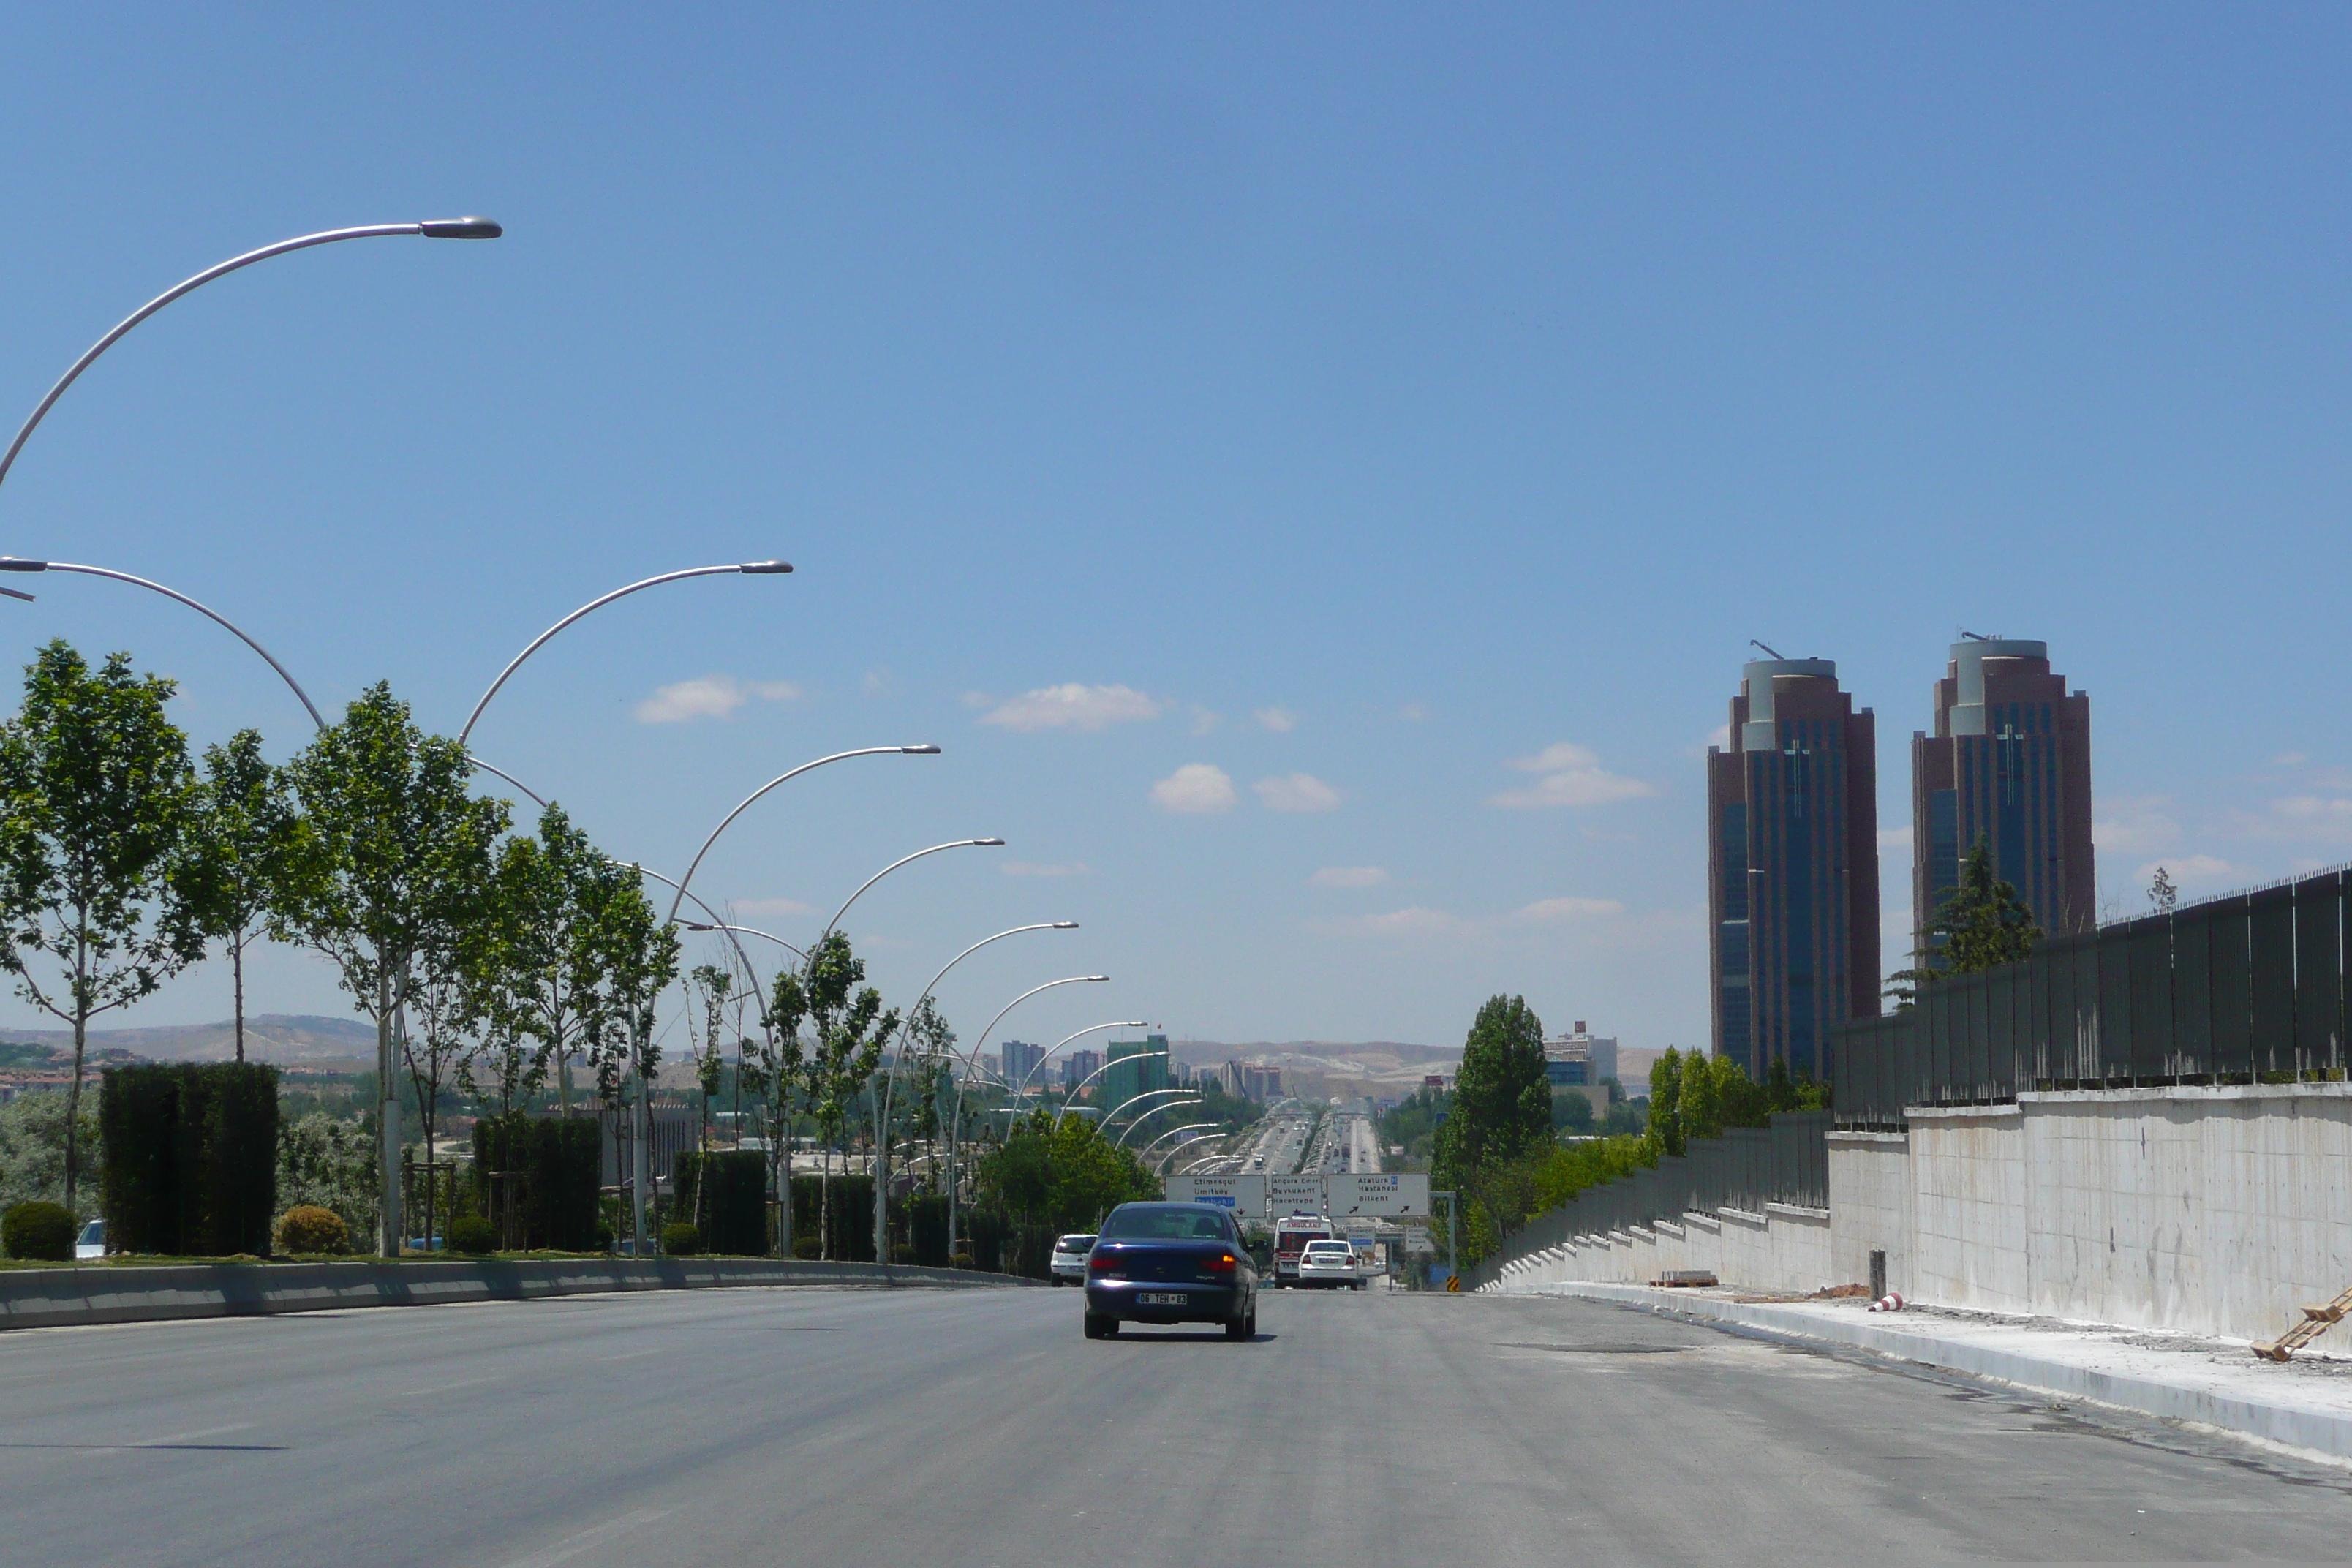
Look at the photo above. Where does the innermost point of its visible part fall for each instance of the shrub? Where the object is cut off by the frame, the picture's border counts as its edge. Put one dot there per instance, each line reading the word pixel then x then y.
pixel 679 1239
pixel 538 1174
pixel 40 1230
pixel 806 1247
pixel 191 1157
pixel 733 1213
pixel 963 1260
pixel 902 1253
pixel 473 1235
pixel 307 1227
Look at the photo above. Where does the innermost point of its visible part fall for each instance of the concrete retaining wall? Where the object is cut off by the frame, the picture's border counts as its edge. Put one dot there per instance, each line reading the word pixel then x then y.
pixel 52 1297
pixel 1785 1249
pixel 2217 1211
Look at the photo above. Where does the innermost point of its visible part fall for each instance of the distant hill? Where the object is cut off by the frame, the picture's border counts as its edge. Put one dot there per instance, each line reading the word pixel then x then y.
pixel 1329 1067
pixel 284 1038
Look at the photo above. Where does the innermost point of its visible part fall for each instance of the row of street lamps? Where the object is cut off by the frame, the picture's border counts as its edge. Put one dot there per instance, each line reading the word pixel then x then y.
pixel 387 1062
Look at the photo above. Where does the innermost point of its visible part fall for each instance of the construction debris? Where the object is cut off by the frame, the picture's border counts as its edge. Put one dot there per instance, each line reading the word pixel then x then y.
pixel 2313 1322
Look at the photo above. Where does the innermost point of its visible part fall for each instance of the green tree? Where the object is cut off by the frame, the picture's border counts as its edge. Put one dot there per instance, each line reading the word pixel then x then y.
pixel 243 836
pixel 1501 1097
pixel 921 1042
pixel 1980 925
pixel 95 796
pixel 1666 1129
pixel 558 940
pixel 389 865
pixel 639 954
pixel 849 1033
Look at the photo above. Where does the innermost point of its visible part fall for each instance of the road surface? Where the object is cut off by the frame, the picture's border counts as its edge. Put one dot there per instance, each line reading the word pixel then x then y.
pixel 973 1427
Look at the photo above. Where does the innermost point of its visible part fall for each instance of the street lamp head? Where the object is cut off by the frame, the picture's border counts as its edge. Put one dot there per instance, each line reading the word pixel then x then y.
pixel 459 228
pixel 925 750
pixel 1097 977
pixel 1066 925
pixel 985 843
pixel 15 563
pixel 697 925
pixel 764 568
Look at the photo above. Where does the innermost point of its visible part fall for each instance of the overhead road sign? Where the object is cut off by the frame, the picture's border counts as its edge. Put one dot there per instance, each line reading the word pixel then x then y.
pixel 1402 1194
pixel 1245 1194
pixel 1301 1194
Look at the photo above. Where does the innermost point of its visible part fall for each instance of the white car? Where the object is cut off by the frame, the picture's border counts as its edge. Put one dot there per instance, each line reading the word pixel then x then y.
pixel 91 1242
pixel 1069 1263
pixel 1328 1263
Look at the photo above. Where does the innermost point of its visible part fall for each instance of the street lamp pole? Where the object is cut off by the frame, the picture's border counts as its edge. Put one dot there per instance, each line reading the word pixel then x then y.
pixel 1145 1152
pixel 747 568
pixel 729 820
pixel 972 1059
pixel 1120 1141
pixel 1089 1029
pixel 437 228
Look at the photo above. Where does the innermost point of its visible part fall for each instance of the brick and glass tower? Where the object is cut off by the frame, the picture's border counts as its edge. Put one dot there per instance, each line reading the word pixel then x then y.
pixel 1792 877
pixel 2010 764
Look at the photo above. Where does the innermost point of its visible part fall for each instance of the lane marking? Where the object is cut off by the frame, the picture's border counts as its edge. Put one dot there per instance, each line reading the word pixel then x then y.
pixel 572 1546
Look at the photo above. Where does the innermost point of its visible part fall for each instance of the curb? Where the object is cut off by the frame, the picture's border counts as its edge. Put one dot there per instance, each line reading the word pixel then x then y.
pixel 69 1298
pixel 2309 1433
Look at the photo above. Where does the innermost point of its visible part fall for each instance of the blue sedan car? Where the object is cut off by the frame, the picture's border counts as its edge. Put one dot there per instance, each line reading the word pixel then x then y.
pixel 1171 1263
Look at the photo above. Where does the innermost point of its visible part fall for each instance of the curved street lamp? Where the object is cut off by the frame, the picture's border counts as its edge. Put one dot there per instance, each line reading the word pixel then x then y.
pixel 972 1059
pixel 720 925
pixel 902 860
pixel 15 563
pixel 1089 1029
pixel 1120 1141
pixel 747 568
pixel 729 820
pixel 1144 1153
pixel 435 229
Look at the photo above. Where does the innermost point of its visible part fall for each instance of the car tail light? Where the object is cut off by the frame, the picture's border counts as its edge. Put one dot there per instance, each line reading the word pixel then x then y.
pixel 1103 1262
pixel 1220 1264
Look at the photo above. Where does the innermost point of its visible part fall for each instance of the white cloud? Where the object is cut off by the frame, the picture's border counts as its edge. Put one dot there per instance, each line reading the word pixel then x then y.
pixel 1891 838
pixel 772 907
pixel 1195 789
pixel 710 697
pixel 1072 707
pixel 1720 737
pixel 2142 824
pixel 1281 720
pixel 1203 721
pixel 1296 792
pixel 1027 868
pixel 1571 776
pixel 1547 911
pixel 1350 877
pixel 2326 819
pixel 2289 760
pixel 1411 922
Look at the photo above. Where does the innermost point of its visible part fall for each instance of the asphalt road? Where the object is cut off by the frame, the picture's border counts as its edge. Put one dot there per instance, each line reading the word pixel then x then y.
pixel 975 1428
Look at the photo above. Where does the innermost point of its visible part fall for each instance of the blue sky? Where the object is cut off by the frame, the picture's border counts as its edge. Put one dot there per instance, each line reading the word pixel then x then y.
pixel 1314 472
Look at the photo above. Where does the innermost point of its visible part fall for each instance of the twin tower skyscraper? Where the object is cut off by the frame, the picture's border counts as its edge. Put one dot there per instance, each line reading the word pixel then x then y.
pixel 1792 829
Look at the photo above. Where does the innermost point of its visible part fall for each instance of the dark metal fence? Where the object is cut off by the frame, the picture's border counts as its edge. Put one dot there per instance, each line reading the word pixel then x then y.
pixel 2249 987
pixel 1748 1167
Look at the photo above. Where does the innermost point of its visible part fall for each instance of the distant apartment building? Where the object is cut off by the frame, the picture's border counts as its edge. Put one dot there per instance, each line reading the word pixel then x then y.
pixel 1792 869
pixel 1021 1059
pixel 1579 1058
pixel 2009 765
pixel 1243 1080
pixel 1137 1067
pixel 1080 1065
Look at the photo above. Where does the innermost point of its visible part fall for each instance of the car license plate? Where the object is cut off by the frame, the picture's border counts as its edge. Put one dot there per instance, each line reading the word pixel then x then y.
pixel 1158 1298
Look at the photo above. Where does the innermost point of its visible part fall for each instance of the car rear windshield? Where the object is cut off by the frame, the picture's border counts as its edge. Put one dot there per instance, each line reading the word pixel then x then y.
pixel 1074 1243
pixel 1164 1225
pixel 1329 1248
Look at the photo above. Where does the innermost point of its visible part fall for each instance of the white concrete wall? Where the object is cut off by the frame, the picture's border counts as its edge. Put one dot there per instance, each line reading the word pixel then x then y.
pixel 2217 1211
pixel 1870 1207
pixel 1783 1250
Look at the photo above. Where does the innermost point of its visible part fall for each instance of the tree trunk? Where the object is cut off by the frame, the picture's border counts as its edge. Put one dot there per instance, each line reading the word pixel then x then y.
pixel 387 1066
pixel 236 968
pixel 879 1169
pixel 640 1164
pixel 73 1111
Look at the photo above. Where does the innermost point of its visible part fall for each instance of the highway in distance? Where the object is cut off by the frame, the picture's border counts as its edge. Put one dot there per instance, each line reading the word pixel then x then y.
pixel 957 1427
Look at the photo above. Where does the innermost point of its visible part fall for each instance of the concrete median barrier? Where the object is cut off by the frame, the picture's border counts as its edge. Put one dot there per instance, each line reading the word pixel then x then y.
pixel 59 1297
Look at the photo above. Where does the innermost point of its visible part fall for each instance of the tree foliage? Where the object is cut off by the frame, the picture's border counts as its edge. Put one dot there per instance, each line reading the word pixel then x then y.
pixel 95 795
pixel 1058 1170
pixel 1981 924
pixel 243 837
pixel 1502 1099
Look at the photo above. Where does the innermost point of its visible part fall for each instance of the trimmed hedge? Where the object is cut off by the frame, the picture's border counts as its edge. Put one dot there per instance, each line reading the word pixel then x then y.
pixel 308 1229
pixel 191 1158
pixel 853 1215
pixel 1002 1248
pixel 38 1230
pixel 547 1199
pixel 733 1214
pixel 679 1239
pixel 927 1227
pixel 473 1235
